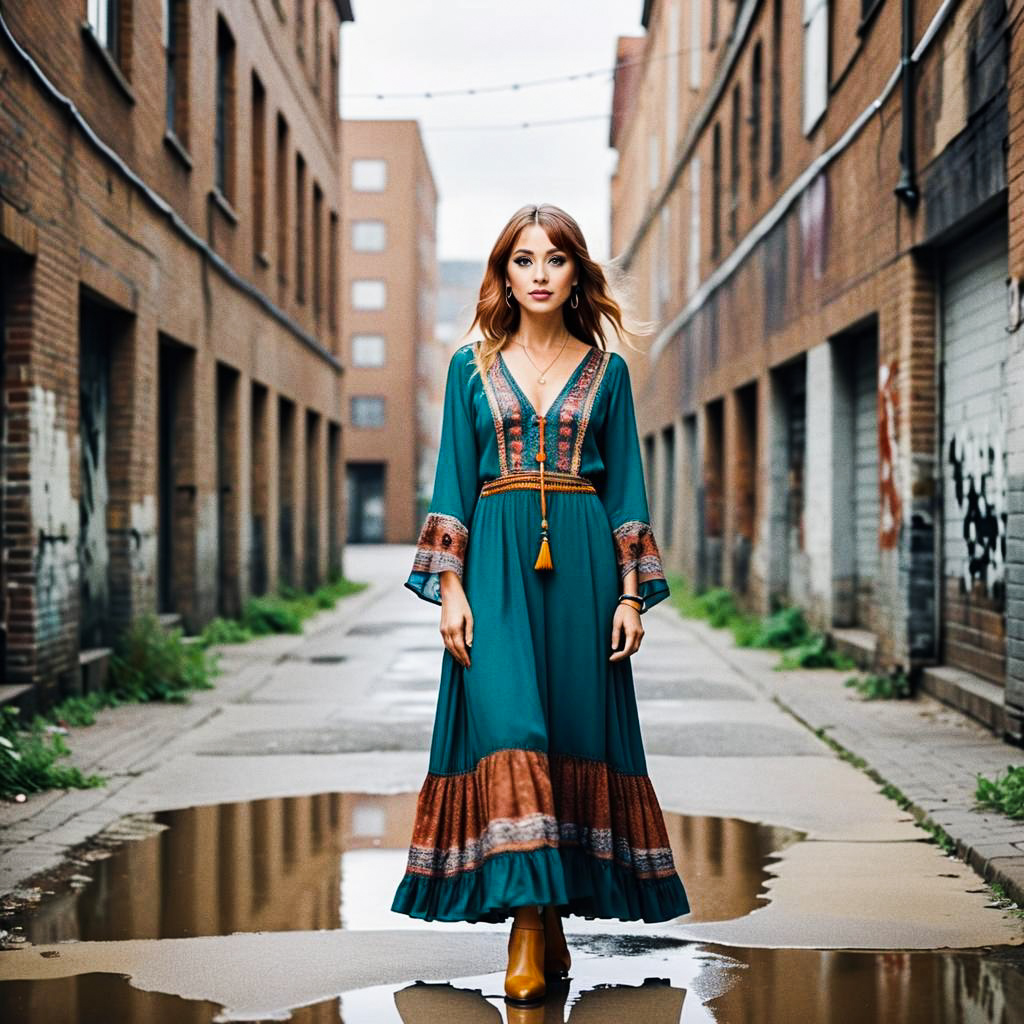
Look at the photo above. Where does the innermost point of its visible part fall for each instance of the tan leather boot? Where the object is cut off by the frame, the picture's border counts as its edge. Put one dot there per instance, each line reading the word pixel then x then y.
pixel 557 960
pixel 524 977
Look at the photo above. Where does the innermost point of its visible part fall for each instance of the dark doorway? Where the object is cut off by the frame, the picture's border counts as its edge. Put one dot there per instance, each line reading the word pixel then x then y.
pixel 366 482
pixel 228 563
pixel 286 492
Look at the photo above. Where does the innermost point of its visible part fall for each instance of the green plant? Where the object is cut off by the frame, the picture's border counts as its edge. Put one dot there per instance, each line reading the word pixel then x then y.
pixel 151 663
pixel 265 615
pixel 893 686
pixel 28 760
pixel 224 631
pixel 1004 793
pixel 814 652
pixel 79 710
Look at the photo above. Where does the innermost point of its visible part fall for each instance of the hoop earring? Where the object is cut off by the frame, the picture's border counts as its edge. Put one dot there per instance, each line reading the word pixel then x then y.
pixel 576 296
pixel 508 295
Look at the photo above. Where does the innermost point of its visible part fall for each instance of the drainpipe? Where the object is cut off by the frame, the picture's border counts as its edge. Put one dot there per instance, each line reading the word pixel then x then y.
pixel 906 188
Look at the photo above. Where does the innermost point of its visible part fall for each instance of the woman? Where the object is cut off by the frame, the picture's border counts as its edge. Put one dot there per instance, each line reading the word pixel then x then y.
pixel 538 547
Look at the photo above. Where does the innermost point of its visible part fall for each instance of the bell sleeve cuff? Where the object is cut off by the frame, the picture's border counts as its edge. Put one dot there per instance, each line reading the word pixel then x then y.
pixel 636 548
pixel 441 545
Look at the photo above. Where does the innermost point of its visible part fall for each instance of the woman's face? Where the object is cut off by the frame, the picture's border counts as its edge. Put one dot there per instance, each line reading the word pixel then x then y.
pixel 541 276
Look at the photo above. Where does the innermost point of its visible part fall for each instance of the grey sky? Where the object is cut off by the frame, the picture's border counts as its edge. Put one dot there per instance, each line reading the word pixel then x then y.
pixel 483 176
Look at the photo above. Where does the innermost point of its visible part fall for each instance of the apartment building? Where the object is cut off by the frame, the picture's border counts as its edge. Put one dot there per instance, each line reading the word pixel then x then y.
pixel 389 286
pixel 169 330
pixel 822 206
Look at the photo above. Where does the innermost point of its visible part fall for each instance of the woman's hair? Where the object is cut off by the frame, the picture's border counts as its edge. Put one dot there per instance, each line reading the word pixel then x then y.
pixel 601 304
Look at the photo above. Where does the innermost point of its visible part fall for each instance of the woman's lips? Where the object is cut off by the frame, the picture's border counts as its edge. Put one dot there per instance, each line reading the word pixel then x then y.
pixel 541 295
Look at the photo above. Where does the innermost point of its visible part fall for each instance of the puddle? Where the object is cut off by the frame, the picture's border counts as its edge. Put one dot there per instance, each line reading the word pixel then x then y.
pixel 331 860
pixel 278 909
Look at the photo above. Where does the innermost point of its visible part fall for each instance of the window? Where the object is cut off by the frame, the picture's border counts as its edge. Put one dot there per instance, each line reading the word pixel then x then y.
pixel 369 235
pixel 367 411
pixel 318 45
pixel 281 204
pixel 716 191
pixel 300 228
pixel 695 49
pixel 176 77
pixel 332 85
pixel 368 295
pixel 713 32
pixel 318 251
pixel 693 257
pixel 105 20
pixel 367 349
pixel 815 22
pixel 369 175
pixel 300 29
pixel 332 273
pixel 259 165
pixel 734 161
pixel 756 89
pixel 224 127
pixel 775 157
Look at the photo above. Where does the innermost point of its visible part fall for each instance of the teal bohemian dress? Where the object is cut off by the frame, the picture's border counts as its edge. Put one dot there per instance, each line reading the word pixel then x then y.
pixel 537 789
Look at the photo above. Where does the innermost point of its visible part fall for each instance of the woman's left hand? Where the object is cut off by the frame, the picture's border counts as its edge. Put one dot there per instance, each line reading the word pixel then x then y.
pixel 626 623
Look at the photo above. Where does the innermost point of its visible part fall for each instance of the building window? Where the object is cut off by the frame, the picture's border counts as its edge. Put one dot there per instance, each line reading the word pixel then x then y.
pixel 176 78
pixel 695 48
pixel 815 61
pixel 775 156
pixel 369 295
pixel 713 30
pixel 224 127
pixel 734 161
pixel 756 90
pixel 281 198
pixel 300 29
pixel 300 228
pixel 716 191
pixel 332 85
pixel 107 19
pixel 693 256
pixel 318 251
pixel 332 273
pixel 369 175
pixel 367 349
pixel 367 411
pixel 259 165
pixel 369 235
pixel 317 46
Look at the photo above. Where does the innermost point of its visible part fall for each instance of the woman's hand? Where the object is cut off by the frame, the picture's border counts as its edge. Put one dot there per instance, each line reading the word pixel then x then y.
pixel 626 621
pixel 456 617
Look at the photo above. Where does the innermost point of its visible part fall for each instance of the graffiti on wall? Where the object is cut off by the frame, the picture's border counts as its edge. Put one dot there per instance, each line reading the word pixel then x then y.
pixel 888 457
pixel 978 463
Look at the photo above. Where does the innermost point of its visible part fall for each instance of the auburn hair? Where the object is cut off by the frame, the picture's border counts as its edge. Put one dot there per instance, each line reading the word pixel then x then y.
pixel 598 307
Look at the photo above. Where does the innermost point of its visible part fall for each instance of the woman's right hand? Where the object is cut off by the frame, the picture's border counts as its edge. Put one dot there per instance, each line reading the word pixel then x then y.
pixel 456 618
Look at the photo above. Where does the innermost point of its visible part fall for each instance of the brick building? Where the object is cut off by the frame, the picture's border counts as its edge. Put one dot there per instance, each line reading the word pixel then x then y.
pixel 169 219
pixel 389 287
pixel 822 207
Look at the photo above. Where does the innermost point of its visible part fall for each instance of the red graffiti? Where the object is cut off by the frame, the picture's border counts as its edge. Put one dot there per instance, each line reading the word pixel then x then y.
pixel 888 457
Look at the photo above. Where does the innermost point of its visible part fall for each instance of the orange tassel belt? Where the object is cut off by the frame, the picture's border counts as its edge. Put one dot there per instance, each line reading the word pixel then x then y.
pixel 545 480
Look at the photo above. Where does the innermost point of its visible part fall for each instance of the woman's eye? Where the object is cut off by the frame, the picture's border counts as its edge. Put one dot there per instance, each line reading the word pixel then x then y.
pixel 558 259
pixel 519 258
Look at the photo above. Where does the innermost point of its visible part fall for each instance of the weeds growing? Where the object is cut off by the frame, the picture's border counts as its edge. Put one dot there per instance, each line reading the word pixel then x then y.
pixel 1004 793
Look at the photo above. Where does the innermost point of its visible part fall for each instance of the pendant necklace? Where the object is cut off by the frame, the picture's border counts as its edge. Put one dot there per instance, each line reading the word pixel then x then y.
pixel 542 379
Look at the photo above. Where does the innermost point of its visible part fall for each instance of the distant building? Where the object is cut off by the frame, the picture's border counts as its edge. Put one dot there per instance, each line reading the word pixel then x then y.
pixel 169 335
pixel 388 292
pixel 457 297
pixel 831 413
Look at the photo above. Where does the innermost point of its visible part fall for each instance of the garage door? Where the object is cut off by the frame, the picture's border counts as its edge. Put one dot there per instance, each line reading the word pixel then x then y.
pixel 974 351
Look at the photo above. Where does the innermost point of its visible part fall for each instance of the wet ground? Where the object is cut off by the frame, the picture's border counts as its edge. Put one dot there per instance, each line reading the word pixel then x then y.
pixel 143 896
pixel 226 892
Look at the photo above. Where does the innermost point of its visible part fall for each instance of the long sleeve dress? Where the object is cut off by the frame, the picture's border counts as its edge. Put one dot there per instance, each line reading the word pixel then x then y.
pixel 537 789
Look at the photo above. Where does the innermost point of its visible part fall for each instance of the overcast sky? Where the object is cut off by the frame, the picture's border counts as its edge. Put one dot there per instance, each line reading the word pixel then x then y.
pixel 483 175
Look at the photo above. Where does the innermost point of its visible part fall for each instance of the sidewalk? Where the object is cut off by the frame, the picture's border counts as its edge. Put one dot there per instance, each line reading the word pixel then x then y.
pixel 929 752
pixel 126 741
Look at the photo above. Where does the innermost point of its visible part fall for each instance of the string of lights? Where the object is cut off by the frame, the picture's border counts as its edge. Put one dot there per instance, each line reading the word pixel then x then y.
pixel 513 125
pixel 432 94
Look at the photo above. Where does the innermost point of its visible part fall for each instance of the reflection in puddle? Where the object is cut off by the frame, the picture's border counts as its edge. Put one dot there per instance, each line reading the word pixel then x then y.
pixel 332 861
